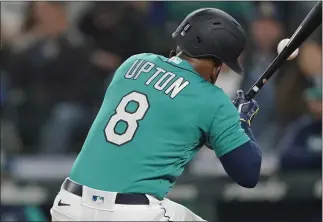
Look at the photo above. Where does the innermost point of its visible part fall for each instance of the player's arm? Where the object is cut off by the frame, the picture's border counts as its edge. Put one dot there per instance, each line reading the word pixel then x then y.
pixel 232 140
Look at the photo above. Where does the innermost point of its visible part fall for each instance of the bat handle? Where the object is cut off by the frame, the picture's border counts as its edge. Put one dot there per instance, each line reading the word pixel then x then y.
pixel 255 88
pixel 250 94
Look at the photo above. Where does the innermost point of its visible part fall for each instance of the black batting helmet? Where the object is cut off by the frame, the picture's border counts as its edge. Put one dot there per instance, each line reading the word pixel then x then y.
pixel 210 32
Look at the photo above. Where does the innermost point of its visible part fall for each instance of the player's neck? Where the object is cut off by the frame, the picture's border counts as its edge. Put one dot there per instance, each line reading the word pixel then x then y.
pixel 196 64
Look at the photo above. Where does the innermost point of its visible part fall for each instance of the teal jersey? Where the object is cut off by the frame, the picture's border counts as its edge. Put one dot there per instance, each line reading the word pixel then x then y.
pixel 155 116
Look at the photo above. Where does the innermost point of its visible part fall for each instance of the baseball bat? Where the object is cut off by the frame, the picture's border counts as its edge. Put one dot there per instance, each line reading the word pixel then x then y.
pixel 306 28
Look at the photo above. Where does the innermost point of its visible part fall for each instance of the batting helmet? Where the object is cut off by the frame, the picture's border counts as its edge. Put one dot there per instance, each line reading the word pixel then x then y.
pixel 210 32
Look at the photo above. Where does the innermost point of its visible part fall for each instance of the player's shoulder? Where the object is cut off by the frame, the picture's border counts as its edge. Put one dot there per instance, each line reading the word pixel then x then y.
pixel 213 101
pixel 215 96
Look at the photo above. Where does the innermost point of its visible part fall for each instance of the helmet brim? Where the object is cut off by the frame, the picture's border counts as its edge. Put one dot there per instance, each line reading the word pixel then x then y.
pixel 235 66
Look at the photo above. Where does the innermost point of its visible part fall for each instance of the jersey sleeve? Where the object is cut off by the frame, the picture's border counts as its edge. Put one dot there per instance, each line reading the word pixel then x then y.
pixel 226 133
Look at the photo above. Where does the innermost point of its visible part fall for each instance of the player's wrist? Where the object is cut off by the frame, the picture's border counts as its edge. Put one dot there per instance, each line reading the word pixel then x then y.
pixel 245 122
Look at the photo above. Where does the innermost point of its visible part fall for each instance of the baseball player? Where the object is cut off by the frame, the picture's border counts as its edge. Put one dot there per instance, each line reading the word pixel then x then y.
pixel 156 115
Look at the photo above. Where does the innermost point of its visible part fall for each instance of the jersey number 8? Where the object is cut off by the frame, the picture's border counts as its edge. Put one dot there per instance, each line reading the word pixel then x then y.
pixel 130 118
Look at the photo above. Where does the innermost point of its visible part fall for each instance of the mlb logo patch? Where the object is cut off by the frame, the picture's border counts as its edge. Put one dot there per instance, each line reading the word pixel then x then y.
pixel 97 199
pixel 175 60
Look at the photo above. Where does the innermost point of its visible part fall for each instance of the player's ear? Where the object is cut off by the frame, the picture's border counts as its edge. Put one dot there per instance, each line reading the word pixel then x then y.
pixel 172 53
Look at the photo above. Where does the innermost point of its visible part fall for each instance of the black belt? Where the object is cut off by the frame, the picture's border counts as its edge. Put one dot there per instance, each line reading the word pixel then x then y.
pixel 121 198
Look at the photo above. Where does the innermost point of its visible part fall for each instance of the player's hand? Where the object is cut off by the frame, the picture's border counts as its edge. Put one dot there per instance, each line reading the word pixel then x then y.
pixel 247 109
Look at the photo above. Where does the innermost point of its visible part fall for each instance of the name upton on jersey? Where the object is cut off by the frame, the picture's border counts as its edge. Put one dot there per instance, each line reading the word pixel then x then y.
pixel 163 84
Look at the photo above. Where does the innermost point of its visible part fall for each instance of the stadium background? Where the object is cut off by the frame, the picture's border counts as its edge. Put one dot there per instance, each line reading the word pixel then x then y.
pixel 57 58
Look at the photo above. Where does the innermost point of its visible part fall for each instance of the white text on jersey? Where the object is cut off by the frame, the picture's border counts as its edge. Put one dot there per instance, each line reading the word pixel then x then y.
pixel 164 78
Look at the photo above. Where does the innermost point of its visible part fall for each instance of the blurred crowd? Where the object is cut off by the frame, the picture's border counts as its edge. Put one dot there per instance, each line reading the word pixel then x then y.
pixel 59 57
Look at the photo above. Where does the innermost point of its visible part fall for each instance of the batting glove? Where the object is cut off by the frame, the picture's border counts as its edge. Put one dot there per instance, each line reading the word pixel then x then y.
pixel 247 109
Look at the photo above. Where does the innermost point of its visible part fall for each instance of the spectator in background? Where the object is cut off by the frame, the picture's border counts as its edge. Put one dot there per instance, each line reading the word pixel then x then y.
pixel 117 30
pixel 51 78
pixel 301 146
pixel 266 31
pixel 310 61
pixel 10 142
pixel 297 73
pixel 9 137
